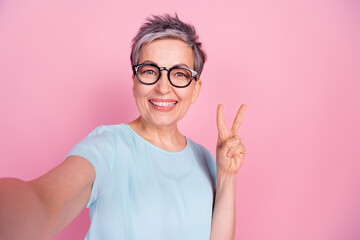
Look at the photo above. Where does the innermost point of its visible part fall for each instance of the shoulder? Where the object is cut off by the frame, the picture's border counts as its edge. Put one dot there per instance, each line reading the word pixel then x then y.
pixel 110 130
pixel 200 149
pixel 101 143
pixel 195 145
pixel 119 132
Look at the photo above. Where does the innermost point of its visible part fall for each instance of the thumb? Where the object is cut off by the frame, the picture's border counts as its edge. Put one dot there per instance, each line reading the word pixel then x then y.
pixel 228 145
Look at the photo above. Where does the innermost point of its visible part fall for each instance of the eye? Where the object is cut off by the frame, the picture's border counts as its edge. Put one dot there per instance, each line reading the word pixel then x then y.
pixel 148 72
pixel 180 74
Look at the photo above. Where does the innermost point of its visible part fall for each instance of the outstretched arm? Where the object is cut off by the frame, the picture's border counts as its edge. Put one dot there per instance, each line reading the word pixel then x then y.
pixel 230 154
pixel 40 208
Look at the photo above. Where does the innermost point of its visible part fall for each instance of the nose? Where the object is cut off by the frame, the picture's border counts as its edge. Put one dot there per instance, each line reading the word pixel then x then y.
pixel 163 85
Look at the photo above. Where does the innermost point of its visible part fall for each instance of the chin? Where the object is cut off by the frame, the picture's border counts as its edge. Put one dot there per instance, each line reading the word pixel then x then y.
pixel 161 122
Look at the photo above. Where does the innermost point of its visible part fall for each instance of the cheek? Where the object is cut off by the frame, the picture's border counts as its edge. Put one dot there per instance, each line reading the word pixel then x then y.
pixel 139 96
pixel 187 95
pixel 139 91
pixel 139 99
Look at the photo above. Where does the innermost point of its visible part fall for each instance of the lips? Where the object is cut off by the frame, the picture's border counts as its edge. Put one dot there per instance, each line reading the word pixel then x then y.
pixel 163 104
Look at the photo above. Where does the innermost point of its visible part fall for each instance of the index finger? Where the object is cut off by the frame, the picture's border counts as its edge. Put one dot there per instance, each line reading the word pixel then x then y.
pixel 220 119
pixel 238 119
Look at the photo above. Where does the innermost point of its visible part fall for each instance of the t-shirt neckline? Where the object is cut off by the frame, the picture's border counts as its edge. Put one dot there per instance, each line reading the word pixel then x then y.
pixel 156 147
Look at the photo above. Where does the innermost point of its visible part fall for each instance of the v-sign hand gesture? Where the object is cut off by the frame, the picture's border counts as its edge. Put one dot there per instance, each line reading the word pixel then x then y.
pixel 230 152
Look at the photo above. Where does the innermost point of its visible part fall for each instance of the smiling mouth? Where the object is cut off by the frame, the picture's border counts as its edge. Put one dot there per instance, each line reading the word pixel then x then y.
pixel 163 104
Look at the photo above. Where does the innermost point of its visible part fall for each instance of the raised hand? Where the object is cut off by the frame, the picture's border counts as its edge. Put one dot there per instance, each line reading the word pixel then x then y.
pixel 230 152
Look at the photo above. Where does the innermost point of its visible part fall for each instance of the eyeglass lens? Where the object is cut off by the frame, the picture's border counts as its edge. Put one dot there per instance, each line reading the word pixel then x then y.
pixel 150 74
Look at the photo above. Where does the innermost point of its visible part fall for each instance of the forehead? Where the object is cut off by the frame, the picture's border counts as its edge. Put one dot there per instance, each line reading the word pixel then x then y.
pixel 167 53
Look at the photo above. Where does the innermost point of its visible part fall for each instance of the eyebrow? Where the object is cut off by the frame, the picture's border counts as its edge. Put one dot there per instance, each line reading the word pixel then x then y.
pixel 176 65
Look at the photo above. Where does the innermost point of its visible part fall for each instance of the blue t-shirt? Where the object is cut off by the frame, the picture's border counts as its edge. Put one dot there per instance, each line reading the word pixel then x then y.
pixel 144 192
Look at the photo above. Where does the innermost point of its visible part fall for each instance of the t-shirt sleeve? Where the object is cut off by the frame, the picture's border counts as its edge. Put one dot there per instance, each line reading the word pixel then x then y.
pixel 98 148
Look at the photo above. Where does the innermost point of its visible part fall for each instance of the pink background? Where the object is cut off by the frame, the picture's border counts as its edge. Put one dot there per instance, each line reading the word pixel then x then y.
pixel 64 70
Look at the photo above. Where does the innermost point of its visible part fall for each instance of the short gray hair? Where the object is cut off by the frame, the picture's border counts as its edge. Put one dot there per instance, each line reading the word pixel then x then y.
pixel 165 26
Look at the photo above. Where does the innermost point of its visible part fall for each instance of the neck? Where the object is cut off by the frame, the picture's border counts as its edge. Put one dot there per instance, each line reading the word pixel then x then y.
pixel 167 138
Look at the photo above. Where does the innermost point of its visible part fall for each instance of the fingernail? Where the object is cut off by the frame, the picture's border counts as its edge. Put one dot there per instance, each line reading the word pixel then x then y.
pixel 229 153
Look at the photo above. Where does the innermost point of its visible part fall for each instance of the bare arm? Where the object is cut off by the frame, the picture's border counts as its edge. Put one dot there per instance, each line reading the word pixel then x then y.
pixel 40 208
pixel 230 154
pixel 224 215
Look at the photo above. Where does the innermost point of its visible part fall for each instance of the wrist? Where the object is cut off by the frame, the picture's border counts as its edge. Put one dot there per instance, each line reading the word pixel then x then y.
pixel 224 178
pixel 225 173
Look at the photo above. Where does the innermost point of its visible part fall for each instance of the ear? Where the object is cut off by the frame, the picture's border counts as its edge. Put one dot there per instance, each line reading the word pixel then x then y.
pixel 196 91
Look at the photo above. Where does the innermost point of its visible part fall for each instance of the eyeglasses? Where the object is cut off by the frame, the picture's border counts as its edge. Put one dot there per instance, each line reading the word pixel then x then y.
pixel 178 76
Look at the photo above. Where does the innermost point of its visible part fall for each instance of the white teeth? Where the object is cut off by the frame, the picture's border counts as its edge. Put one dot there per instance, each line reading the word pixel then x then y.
pixel 163 104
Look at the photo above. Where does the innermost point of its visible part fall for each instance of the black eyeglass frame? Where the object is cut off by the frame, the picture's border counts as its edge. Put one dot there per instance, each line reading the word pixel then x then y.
pixel 136 67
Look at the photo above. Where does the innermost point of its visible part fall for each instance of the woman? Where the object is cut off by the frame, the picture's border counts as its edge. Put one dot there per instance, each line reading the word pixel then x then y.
pixel 142 180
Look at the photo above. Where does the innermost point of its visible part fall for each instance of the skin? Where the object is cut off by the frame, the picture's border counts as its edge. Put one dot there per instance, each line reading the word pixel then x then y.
pixel 40 208
pixel 230 151
pixel 157 127
pixel 230 154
